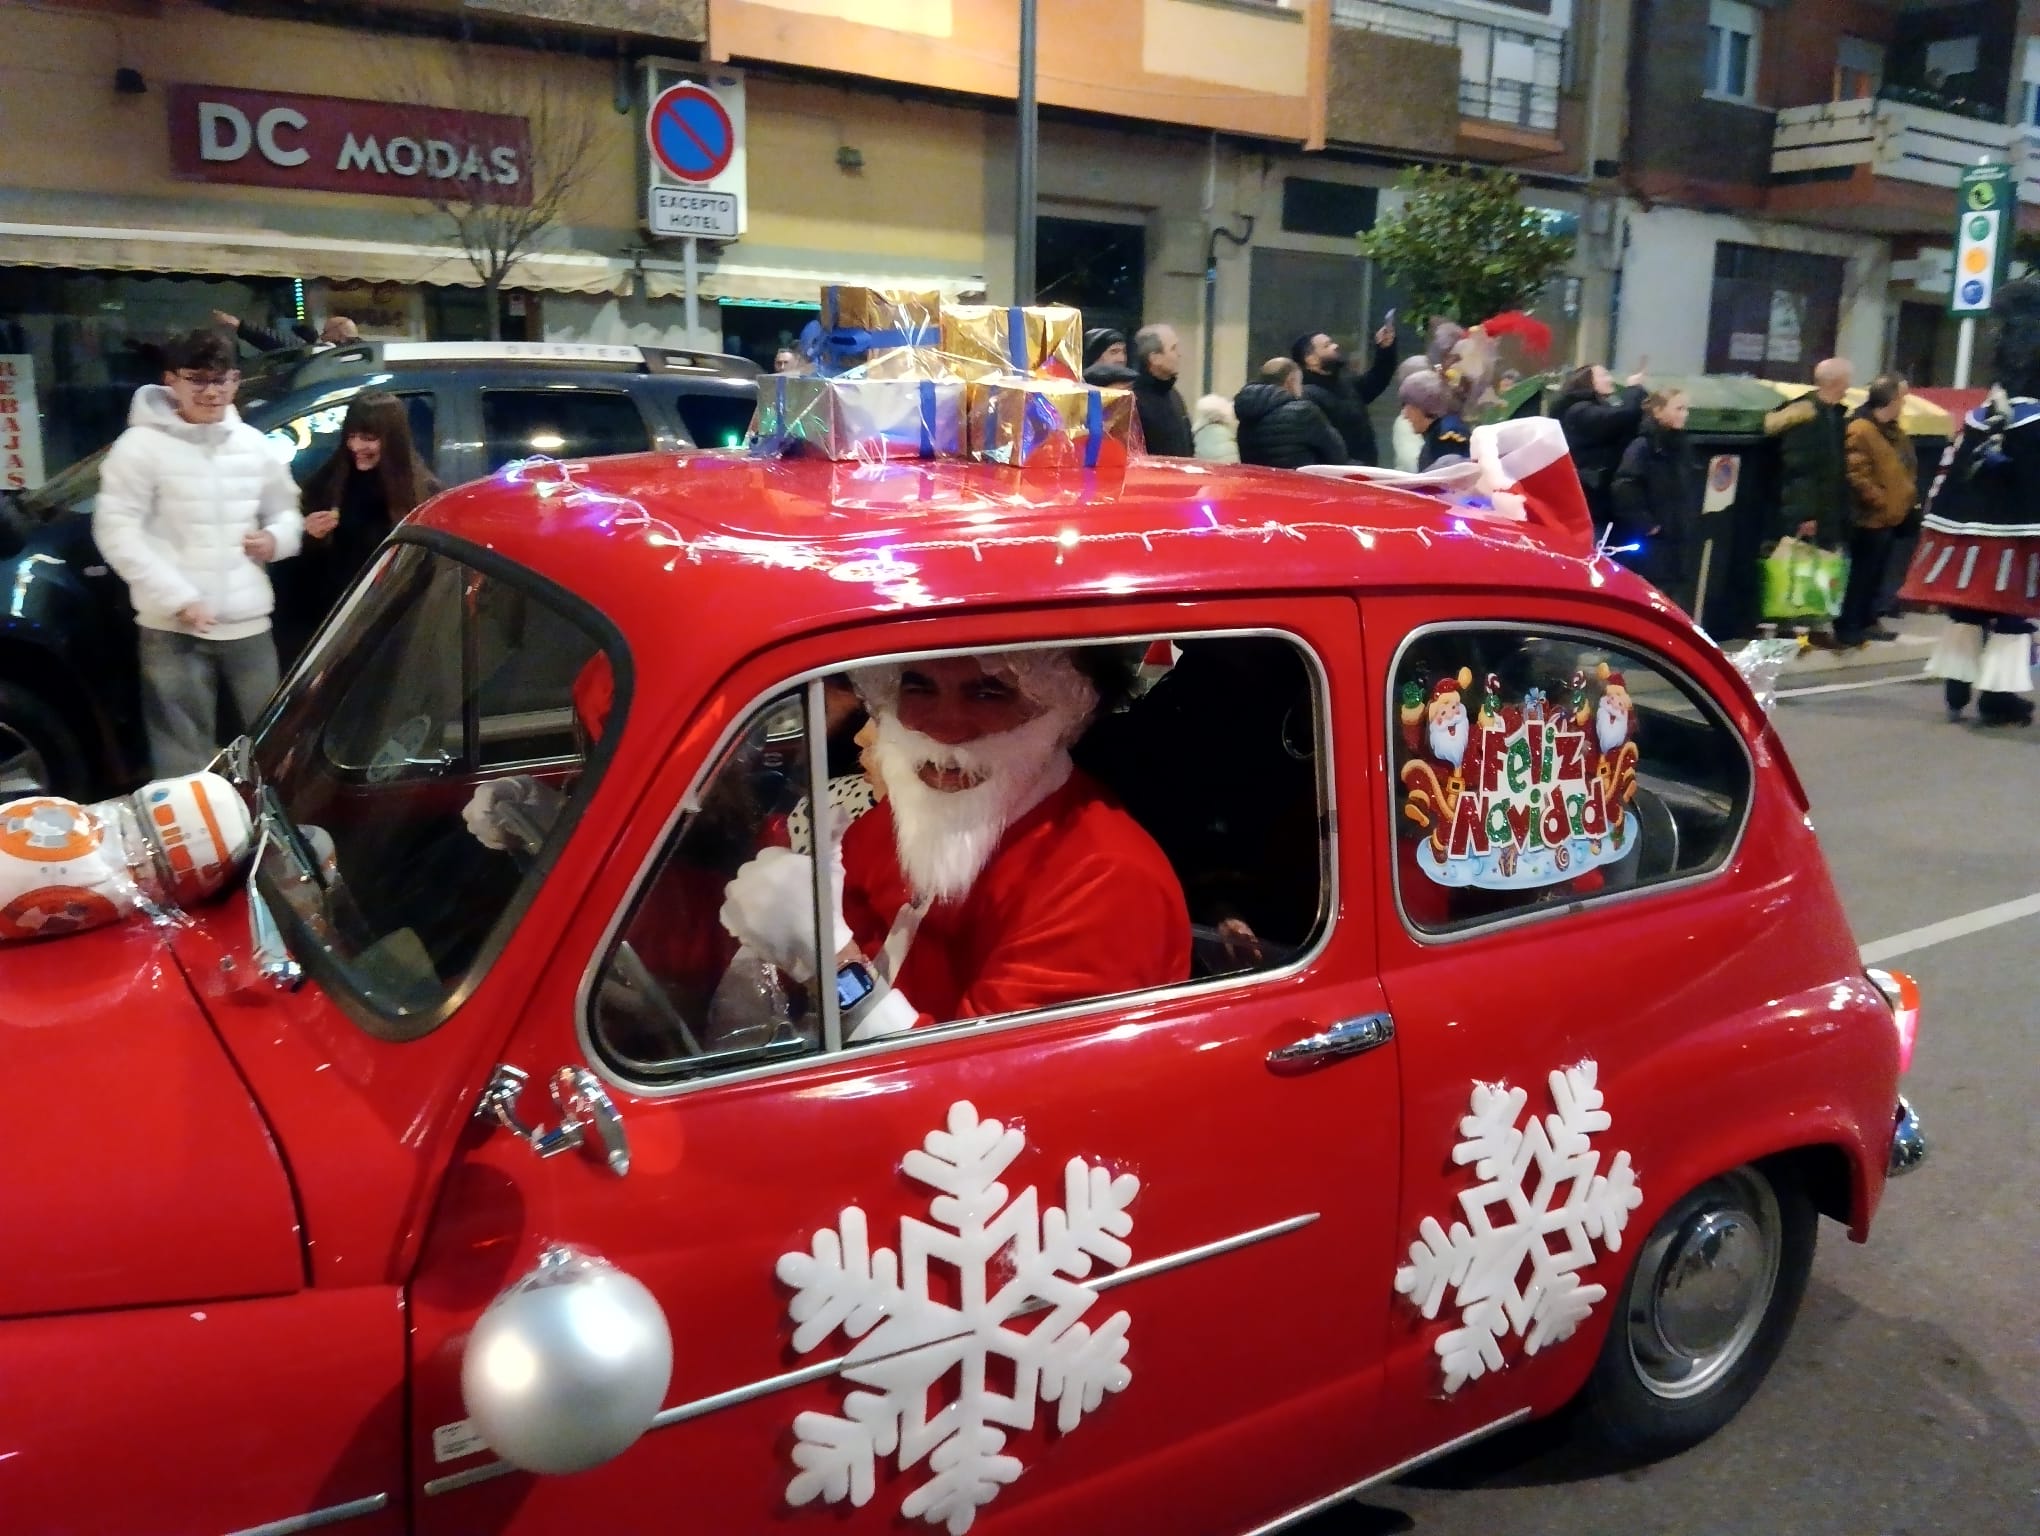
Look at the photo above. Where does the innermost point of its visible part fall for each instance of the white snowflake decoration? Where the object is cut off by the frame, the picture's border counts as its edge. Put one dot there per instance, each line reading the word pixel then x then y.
pixel 908 1340
pixel 1483 1262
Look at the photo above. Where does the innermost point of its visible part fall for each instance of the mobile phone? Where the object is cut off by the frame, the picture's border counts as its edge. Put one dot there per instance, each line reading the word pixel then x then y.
pixel 1388 320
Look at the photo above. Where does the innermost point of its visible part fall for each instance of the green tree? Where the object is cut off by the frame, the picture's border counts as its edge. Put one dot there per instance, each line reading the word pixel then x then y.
pixel 1464 246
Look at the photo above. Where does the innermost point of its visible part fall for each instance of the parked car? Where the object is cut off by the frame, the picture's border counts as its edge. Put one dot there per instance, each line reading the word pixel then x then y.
pixel 70 711
pixel 1514 1044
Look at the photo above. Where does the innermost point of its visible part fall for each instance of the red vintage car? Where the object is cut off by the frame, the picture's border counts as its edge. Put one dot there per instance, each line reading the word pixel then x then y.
pixel 1401 995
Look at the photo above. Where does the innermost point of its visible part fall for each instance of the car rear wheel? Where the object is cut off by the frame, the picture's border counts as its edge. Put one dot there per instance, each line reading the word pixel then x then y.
pixel 38 752
pixel 1705 1314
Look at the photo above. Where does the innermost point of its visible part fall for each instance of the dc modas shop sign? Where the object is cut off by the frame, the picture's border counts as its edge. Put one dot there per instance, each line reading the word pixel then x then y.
pixel 341 144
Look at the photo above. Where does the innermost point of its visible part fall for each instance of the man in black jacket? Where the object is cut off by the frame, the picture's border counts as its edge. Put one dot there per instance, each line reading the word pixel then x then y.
pixel 1331 387
pixel 1164 419
pixel 1279 427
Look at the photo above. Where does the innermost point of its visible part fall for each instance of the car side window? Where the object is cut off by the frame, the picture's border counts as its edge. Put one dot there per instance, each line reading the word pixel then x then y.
pixel 1019 830
pixel 308 440
pixel 571 423
pixel 1534 769
pixel 713 419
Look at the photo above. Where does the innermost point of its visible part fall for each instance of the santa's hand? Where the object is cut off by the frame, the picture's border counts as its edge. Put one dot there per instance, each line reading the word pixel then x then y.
pixel 512 813
pixel 889 1014
pixel 770 907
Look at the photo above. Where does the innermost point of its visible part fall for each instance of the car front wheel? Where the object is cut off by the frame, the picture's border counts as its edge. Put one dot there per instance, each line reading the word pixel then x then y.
pixel 38 752
pixel 1706 1311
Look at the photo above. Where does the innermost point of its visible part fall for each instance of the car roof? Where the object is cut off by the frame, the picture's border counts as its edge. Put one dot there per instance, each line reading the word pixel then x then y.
pixel 683 549
pixel 333 364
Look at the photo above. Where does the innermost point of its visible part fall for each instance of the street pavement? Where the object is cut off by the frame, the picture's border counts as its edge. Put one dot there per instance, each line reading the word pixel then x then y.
pixel 1907 1402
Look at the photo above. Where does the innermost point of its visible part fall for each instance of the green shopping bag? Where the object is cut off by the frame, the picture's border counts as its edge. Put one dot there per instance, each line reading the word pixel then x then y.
pixel 1803 581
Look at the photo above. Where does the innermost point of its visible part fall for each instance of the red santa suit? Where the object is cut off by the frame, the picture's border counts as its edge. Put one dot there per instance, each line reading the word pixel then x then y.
pixel 1077 901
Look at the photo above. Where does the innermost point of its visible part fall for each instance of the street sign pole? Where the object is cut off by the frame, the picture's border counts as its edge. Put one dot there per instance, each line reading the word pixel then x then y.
pixel 1984 205
pixel 690 281
pixel 1028 129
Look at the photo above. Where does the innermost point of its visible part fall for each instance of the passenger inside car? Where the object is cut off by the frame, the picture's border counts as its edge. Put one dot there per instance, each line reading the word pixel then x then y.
pixel 1072 880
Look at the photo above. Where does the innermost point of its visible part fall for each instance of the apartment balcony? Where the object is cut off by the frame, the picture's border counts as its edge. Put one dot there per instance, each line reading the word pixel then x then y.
pixel 1886 167
pixel 1451 78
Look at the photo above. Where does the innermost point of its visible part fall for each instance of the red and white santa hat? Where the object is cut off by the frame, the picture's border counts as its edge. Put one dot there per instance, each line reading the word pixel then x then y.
pixel 1527 471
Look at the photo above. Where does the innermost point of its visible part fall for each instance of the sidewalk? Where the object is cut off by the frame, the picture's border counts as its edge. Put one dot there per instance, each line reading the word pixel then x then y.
pixel 1917 633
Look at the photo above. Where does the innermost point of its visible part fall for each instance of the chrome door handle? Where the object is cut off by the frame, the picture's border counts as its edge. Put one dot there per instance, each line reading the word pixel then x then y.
pixel 584 1106
pixel 1349 1037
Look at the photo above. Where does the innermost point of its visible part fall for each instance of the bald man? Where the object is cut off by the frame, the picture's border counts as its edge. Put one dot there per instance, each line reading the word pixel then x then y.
pixel 1813 501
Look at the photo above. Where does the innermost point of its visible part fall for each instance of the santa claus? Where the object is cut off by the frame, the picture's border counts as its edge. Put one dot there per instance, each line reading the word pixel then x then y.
pixel 1615 714
pixel 995 877
pixel 1449 725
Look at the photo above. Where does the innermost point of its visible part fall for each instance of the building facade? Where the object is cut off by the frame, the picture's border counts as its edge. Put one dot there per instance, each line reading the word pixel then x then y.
pixel 1795 161
pixel 1206 163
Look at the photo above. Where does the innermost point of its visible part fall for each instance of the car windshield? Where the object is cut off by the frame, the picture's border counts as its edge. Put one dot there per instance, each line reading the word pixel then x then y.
pixel 425 761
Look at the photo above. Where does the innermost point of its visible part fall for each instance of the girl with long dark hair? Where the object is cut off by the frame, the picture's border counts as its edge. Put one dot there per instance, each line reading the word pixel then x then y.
pixel 371 483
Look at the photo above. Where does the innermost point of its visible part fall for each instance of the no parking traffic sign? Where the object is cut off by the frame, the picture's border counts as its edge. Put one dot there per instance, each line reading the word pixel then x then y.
pixel 691 135
pixel 694 133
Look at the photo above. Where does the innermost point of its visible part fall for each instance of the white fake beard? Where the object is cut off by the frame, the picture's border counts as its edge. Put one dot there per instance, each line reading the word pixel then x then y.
pixel 1612 727
pixel 1449 730
pixel 946 837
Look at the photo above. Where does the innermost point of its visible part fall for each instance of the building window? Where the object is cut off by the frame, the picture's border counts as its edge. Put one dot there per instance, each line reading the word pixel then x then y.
pixel 1773 313
pixel 1859 69
pixel 1732 33
pixel 2029 76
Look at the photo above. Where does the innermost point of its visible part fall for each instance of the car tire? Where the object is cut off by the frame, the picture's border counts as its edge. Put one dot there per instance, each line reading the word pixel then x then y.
pixel 39 752
pixel 1705 1312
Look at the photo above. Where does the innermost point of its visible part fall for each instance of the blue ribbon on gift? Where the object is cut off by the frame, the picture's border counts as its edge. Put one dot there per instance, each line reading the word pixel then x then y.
pixel 1094 425
pixel 927 418
pixel 1016 338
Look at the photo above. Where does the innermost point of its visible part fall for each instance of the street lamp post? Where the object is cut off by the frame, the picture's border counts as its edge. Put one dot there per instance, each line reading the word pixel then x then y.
pixel 1023 213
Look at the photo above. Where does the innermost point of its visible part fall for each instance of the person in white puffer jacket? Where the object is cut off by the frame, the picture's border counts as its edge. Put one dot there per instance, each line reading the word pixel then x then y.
pixel 193 503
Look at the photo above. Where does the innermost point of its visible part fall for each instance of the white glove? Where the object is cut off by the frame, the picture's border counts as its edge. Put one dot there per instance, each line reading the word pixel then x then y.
pixel 501 811
pixel 769 907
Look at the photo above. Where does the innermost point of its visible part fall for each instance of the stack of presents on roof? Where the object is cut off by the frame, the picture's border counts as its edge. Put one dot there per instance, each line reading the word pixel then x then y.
pixel 899 374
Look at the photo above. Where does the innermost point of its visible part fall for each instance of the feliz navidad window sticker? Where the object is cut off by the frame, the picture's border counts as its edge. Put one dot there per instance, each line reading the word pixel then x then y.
pixel 1519 793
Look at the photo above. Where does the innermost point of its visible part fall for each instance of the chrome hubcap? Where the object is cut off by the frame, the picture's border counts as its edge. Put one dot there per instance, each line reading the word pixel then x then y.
pixel 1703 1284
pixel 22 769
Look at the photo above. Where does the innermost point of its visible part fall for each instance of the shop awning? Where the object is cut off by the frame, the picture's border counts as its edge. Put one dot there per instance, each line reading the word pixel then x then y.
pixel 791 285
pixel 269 253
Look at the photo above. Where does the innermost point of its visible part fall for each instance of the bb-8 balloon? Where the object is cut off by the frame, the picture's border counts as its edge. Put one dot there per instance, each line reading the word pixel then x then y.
pixel 65 867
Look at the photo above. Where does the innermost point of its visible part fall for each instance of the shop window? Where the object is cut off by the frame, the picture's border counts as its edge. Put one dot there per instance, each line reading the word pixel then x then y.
pixel 1141 873
pixel 1535 770
pixel 1773 313
pixel 1099 266
pixel 560 424
pixel 1733 30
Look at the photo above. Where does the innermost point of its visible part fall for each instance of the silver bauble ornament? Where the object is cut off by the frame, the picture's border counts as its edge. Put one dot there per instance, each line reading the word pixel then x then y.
pixel 568 1367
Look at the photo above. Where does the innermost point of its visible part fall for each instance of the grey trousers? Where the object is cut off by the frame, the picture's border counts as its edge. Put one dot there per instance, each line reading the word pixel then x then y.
pixel 181 677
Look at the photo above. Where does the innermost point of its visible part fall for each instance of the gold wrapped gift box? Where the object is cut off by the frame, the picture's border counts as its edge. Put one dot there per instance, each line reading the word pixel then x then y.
pixel 1052 423
pixel 982 340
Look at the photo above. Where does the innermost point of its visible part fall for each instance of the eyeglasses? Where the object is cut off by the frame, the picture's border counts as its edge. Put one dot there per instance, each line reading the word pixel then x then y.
pixel 208 381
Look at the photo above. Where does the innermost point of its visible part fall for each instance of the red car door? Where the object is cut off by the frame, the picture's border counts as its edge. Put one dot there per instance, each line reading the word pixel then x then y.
pixel 1138 1272
pixel 1562 906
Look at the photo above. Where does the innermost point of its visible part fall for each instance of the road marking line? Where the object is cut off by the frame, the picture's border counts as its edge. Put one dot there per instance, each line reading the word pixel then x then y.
pixel 1876 682
pixel 1951 928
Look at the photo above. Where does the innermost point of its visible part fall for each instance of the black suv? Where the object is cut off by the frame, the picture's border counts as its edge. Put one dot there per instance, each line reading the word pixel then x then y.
pixel 70 710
